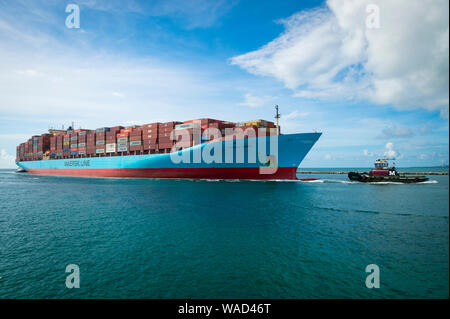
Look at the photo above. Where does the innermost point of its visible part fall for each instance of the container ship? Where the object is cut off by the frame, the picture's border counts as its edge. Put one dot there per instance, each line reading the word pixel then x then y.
pixel 195 149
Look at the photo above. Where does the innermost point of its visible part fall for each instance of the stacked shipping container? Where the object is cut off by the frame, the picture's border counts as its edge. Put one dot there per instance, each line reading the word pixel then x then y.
pixel 147 139
pixel 150 137
pixel 136 144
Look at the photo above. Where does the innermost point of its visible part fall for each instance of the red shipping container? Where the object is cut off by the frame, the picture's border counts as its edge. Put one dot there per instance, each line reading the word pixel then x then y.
pixel 151 126
pixel 136 132
pixel 122 135
pixel 165 140
pixel 125 130
pixel 149 136
pixel 168 125
pixel 135 138
pixel 165 145
pixel 137 148
pixel 150 131
pixel 150 146
pixel 116 128
pixel 166 129
pixel 165 134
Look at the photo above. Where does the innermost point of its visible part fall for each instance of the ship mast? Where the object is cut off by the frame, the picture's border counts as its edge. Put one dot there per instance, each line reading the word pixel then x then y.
pixel 277 117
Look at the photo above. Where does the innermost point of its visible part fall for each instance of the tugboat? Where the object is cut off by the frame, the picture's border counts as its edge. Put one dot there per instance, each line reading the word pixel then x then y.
pixel 383 173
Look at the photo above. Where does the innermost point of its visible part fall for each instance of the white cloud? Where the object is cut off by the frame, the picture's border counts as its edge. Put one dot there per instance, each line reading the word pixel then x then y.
pixel 396 131
pixel 367 153
pixel 295 115
pixel 118 94
pixel 425 129
pixel 390 152
pixel 93 87
pixel 330 53
pixel 256 101
pixel 294 121
pixel 327 156
pixel 29 72
pixel 192 14
pixel 4 156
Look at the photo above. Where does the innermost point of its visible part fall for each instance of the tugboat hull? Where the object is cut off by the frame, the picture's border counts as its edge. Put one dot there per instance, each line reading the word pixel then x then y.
pixel 368 178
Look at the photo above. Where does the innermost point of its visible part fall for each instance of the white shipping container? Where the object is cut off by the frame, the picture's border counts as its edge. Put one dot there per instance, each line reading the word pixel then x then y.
pixel 110 148
pixel 122 149
pixel 100 150
pixel 122 139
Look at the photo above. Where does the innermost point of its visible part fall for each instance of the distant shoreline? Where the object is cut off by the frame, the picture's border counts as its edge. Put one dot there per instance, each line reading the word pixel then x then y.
pixel 342 172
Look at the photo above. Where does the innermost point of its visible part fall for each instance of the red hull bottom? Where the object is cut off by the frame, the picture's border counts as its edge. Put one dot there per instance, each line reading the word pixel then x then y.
pixel 189 173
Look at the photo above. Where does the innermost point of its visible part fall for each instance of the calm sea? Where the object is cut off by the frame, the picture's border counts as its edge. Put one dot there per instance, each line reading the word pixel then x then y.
pixel 136 238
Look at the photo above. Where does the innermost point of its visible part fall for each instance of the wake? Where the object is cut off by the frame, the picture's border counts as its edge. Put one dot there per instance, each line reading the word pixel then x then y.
pixel 371 183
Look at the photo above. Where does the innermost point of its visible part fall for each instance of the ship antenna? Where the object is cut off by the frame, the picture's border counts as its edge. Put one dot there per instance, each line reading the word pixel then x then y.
pixel 277 117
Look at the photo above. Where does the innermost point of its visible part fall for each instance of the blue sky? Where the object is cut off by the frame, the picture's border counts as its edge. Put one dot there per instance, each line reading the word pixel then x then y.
pixel 371 91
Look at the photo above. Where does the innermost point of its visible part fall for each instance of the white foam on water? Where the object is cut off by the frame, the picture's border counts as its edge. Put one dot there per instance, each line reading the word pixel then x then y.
pixel 428 182
pixel 330 181
pixel 398 183
pixel 313 181
pixel 340 181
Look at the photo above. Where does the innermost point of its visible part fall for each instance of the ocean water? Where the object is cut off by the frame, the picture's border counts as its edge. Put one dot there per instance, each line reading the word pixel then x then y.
pixel 137 238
